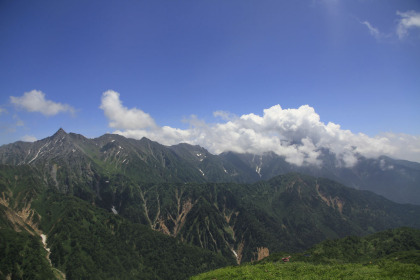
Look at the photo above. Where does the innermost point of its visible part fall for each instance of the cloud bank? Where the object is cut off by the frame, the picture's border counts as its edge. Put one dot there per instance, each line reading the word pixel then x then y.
pixel 297 134
pixel 34 101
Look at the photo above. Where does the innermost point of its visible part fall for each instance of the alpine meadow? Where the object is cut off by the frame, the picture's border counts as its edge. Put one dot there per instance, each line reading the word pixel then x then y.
pixel 209 139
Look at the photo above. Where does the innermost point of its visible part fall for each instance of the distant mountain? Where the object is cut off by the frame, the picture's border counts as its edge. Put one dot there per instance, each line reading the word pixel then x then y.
pixel 148 161
pixel 144 210
pixel 241 221
pixel 397 180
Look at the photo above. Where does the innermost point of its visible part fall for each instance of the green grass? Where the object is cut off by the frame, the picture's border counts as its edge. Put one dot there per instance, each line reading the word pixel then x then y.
pixel 303 270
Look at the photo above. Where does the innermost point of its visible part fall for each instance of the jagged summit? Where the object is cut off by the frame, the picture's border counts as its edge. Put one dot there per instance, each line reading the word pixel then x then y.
pixel 59 133
pixel 151 161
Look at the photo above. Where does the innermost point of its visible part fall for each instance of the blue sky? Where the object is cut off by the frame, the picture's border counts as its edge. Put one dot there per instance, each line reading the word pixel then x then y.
pixel 161 69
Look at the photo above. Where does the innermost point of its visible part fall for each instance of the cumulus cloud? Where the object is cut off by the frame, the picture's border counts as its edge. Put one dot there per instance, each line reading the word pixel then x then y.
pixel 297 134
pixel 34 101
pixel 409 20
pixel 121 117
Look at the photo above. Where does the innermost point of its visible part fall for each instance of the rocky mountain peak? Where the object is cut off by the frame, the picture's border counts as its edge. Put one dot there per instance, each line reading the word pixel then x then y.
pixel 148 160
pixel 60 133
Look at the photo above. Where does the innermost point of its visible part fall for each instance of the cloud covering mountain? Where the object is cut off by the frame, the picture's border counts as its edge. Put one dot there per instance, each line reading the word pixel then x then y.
pixel 297 134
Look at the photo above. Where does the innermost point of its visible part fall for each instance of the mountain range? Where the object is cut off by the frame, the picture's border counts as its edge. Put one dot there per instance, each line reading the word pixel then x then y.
pixel 149 211
pixel 148 161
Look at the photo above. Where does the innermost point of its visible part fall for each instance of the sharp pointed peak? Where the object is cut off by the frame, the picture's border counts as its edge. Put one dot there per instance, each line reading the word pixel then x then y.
pixel 60 132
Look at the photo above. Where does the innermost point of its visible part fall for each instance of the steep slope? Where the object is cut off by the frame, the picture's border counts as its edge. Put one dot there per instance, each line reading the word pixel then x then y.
pixel 211 167
pixel 397 180
pixel 64 161
pixel 88 242
pixel 241 221
pixel 165 189
pixel 145 160
pixel 85 241
pixel 248 221
pixel 23 255
pixel 308 210
pixel 75 164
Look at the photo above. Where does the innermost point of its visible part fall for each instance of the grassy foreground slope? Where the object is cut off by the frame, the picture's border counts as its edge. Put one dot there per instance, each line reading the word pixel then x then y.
pixel 303 270
pixel 391 254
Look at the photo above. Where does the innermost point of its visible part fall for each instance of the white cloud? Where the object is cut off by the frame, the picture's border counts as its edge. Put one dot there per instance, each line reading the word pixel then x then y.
pixel 297 134
pixel 34 101
pixel 2 110
pixel 409 20
pixel 29 138
pixel 372 30
pixel 121 117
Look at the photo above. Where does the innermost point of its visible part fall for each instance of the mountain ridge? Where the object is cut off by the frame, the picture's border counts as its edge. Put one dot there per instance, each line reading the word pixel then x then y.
pixel 153 189
pixel 397 180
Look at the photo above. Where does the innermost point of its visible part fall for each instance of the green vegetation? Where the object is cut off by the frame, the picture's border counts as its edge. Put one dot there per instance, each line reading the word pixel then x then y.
pixel 303 270
pixel 88 242
pixel 391 254
pixel 22 256
pixel 288 213
pixel 172 222
pixel 402 244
